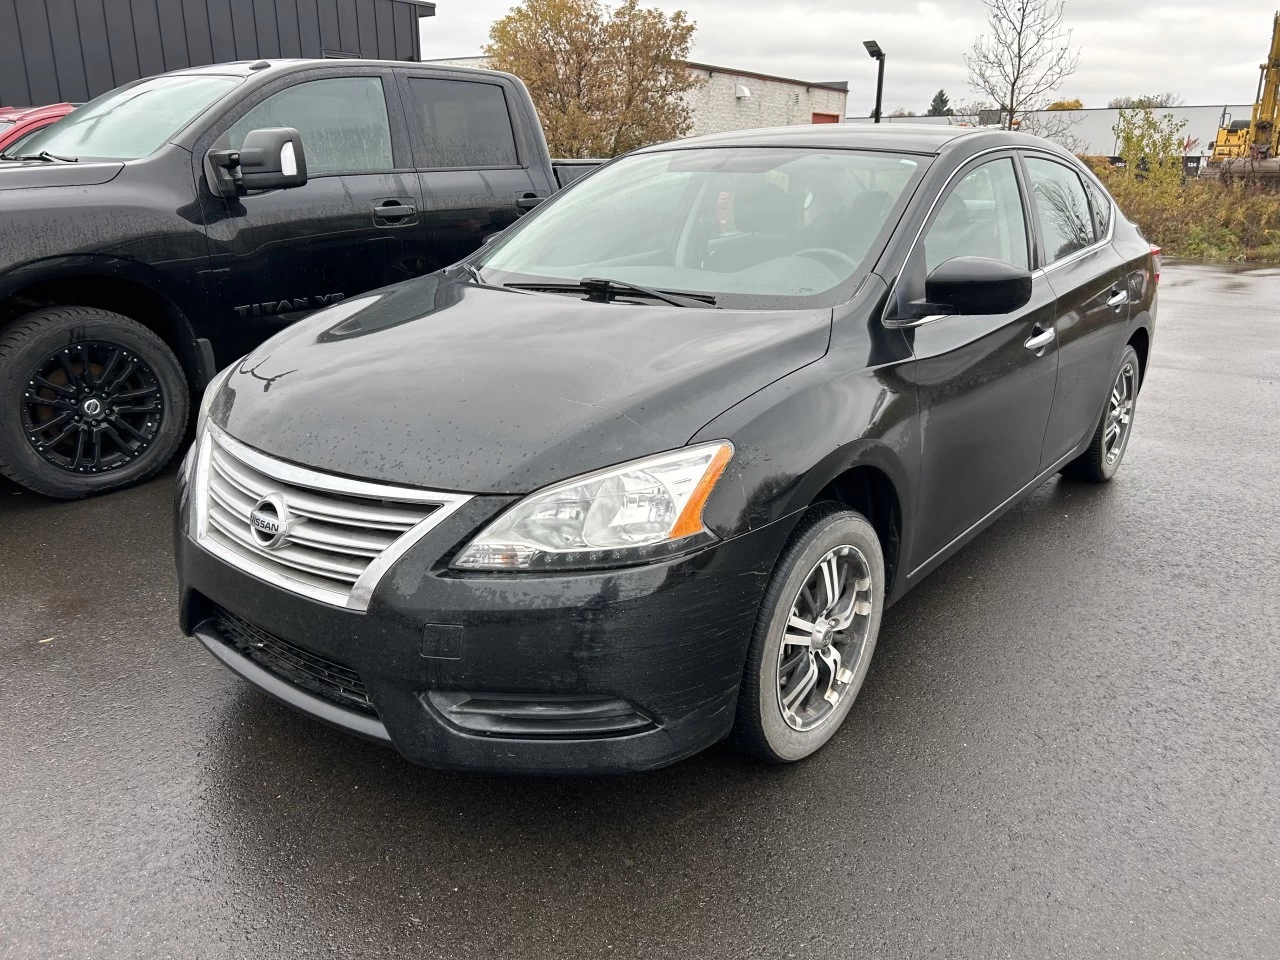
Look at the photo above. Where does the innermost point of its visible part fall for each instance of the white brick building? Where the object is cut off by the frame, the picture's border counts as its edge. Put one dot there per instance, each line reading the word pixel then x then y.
pixel 741 100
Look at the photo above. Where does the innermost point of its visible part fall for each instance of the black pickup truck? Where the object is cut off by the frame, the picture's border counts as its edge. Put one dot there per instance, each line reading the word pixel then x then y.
pixel 168 227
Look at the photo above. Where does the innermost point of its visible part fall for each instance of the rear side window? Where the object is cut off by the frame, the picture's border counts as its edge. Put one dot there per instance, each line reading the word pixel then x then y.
pixel 343 122
pixel 981 217
pixel 1101 205
pixel 463 123
pixel 1066 224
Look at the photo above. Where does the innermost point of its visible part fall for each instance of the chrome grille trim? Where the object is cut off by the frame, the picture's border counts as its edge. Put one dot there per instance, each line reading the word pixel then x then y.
pixel 344 546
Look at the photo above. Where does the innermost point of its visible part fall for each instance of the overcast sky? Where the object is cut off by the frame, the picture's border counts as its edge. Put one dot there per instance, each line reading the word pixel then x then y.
pixel 1207 52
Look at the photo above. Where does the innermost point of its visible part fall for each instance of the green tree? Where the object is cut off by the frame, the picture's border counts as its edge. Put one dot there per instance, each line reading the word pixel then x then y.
pixel 1151 148
pixel 605 81
pixel 940 105
pixel 1066 105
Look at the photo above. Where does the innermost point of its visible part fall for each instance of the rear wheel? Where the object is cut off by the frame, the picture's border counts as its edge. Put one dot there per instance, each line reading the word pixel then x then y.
pixel 814 637
pixel 90 401
pixel 1102 459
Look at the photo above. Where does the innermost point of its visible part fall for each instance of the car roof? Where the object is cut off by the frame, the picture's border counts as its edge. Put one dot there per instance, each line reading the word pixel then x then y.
pixel 32 113
pixel 901 137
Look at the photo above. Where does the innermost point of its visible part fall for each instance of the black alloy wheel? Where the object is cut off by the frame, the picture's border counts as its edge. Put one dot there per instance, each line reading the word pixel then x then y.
pixel 91 407
pixel 90 401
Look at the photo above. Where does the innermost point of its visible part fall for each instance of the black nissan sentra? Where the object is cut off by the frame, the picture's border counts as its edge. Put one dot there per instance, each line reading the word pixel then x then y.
pixel 644 473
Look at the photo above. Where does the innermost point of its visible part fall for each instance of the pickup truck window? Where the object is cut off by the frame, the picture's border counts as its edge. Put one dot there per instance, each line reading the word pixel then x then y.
pixel 464 123
pixel 343 122
pixel 752 226
pixel 130 122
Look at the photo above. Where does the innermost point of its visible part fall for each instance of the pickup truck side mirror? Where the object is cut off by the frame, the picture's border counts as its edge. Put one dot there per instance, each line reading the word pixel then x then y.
pixel 272 158
pixel 968 286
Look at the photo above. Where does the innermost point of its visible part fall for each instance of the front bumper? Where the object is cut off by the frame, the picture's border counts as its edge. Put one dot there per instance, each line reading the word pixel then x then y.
pixel 520 673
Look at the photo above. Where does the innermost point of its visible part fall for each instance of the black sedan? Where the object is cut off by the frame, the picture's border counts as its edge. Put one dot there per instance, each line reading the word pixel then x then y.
pixel 644 473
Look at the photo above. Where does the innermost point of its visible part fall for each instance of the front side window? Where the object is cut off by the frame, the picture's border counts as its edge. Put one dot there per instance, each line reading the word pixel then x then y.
pixel 463 124
pixel 343 122
pixel 1066 224
pixel 981 217
pixel 752 226
pixel 131 122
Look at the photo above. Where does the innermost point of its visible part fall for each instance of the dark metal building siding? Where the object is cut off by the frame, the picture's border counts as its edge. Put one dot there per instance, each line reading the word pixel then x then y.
pixel 54 50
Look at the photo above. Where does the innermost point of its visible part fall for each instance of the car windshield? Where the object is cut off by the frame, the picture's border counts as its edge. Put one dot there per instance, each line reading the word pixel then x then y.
pixel 130 122
pixel 750 226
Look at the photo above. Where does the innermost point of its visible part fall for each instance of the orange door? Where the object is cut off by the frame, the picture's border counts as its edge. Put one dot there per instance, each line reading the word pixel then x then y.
pixel 826 118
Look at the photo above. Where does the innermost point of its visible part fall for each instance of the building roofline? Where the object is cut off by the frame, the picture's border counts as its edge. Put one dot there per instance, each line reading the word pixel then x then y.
pixel 837 85
pixel 426 8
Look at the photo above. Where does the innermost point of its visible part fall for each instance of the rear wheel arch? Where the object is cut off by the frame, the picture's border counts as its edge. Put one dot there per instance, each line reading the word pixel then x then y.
pixel 1141 343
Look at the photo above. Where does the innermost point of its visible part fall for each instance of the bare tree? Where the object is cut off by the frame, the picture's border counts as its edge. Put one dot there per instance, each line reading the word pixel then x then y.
pixel 1025 59
pixel 1058 126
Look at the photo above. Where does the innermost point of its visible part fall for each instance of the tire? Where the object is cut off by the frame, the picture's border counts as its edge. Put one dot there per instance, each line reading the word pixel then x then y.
pixel 762 727
pixel 1099 463
pixel 132 419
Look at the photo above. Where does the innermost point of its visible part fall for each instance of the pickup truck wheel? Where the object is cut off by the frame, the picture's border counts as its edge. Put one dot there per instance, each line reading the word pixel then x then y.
pixel 814 637
pixel 90 401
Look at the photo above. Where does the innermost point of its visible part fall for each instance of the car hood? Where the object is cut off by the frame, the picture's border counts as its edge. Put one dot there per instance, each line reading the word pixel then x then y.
pixel 446 385
pixel 25 174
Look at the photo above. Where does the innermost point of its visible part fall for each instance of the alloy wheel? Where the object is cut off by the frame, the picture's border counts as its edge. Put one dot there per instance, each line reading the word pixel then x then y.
pixel 1119 420
pixel 91 407
pixel 825 638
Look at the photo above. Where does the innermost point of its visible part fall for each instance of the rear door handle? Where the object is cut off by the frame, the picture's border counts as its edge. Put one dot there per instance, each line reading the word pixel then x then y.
pixel 526 204
pixel 1118 299
pixel 1037 343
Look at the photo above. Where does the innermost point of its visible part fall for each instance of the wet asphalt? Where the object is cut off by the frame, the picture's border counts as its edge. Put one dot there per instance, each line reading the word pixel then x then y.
pixel 1068 746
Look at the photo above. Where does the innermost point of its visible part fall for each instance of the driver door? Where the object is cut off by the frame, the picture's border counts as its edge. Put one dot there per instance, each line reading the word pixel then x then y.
pixel 985 383
pixel 277 255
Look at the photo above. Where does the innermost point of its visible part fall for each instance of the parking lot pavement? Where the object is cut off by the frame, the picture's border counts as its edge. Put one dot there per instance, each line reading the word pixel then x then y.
pixel 1068 746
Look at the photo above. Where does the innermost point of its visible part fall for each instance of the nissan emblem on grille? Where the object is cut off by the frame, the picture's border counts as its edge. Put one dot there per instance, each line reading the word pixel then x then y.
pixel 270 521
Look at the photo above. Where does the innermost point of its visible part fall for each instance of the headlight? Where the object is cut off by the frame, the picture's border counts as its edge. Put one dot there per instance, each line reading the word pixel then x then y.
pixel 211 391
pixel 643 510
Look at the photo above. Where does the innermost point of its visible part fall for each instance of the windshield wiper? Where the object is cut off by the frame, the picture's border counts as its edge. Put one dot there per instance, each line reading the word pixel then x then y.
pixel 46 156
pixel 602 290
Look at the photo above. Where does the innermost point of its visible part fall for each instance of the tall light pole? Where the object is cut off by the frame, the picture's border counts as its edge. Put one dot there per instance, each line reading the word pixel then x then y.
pixel 877 54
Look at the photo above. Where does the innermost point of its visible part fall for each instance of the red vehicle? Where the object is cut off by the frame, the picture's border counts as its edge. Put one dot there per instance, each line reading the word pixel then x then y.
pixel 17 122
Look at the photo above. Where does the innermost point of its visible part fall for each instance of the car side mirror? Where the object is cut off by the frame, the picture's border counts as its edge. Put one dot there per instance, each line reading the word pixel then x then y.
pixel 968 286
pixel 271 158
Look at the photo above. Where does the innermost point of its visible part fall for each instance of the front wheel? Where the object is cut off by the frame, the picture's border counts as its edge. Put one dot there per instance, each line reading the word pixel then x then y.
pixel 90 401
pixel 1105 453
pixel 814 637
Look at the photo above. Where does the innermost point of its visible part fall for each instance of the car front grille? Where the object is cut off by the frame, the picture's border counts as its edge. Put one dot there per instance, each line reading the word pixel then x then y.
pixel 339 536
pixel 329 679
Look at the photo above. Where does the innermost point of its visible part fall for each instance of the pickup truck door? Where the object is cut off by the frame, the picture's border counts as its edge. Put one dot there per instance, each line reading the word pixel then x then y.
pixel 277 255
pixel 480 162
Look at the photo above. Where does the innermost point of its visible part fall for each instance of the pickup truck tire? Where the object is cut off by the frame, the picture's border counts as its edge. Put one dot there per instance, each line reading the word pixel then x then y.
pixel 90 401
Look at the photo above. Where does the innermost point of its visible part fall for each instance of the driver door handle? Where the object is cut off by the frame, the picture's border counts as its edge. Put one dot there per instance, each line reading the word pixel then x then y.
pixel 393 213
pixel 1037 343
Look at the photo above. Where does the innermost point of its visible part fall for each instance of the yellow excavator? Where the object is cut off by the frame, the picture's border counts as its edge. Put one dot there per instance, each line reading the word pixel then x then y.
pixel 1251 148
